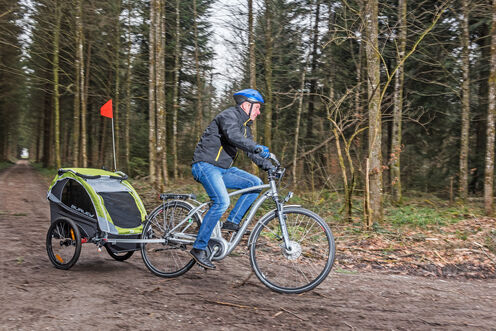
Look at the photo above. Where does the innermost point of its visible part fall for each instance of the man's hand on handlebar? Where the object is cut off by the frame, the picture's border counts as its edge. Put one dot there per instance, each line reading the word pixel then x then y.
pixel 263 151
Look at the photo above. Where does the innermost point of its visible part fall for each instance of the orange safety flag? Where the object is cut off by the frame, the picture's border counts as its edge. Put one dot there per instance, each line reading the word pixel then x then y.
pixel 106 109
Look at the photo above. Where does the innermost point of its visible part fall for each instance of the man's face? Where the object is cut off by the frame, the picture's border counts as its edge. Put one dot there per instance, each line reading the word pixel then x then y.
pixel 254 112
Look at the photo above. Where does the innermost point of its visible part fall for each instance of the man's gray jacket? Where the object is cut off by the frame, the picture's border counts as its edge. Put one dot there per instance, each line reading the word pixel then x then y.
pixel 229 131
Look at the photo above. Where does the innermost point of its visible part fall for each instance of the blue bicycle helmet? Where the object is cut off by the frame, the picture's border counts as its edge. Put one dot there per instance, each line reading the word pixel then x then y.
pixel 250 95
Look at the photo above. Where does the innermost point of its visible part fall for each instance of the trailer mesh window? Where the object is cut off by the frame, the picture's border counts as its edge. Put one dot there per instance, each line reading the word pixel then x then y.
pixel 122 209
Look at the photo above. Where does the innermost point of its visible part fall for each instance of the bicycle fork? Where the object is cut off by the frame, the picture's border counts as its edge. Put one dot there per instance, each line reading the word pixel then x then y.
pixel 280 215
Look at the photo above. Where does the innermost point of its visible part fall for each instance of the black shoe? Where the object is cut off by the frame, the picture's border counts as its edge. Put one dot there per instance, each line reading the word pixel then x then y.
pixel 230 226
pixel 201 258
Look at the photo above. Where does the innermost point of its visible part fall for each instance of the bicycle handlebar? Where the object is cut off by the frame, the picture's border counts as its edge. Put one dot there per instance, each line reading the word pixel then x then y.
pixel 272 157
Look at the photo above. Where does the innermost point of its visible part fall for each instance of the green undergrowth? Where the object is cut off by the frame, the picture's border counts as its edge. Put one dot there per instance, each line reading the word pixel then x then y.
pixel 5 165
pixel 429 212
pixel 417 210
pixel 45 172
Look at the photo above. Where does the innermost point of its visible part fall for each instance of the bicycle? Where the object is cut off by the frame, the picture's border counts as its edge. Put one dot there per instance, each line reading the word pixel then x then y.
pixel 291 248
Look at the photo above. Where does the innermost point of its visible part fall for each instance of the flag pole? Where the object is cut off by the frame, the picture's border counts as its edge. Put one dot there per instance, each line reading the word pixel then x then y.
pixel 106 111
pixel 113 144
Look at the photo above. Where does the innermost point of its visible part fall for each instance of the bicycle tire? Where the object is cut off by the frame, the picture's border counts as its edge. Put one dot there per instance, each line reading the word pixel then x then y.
pixel 63 243
pixel 304 258
pixel 161 264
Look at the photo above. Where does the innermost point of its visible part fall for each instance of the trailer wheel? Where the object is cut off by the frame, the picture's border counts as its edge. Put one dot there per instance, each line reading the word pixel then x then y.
pixel 63 243
pixel 119 256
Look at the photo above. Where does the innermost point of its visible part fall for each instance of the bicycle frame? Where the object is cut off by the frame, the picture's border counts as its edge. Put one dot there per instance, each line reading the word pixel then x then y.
pixel 229 246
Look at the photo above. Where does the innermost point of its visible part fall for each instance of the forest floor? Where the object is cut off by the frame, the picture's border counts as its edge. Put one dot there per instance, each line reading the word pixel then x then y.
pixel 432 277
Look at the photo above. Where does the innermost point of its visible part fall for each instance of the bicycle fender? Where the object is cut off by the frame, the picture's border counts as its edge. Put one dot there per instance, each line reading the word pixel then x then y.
pixel 266 216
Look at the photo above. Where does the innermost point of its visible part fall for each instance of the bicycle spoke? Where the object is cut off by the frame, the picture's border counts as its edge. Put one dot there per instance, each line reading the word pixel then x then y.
pixel 306 233
pixel 297 267
pixel 271 231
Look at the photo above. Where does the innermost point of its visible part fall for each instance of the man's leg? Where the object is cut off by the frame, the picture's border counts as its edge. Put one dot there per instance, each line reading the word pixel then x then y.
pixel 235 178
pixel 211 178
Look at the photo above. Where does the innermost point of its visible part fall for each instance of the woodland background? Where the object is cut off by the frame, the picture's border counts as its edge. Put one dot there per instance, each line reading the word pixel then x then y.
pixel 351 87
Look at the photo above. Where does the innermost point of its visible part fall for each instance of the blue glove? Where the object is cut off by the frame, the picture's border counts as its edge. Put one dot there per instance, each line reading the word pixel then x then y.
pixel 263 151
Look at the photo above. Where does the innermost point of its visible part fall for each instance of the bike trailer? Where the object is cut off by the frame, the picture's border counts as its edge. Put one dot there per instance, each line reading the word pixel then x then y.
pixel 100 202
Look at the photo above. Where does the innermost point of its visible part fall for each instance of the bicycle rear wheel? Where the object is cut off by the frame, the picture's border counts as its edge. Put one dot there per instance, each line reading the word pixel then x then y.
pixel 170 258
pixel 308 261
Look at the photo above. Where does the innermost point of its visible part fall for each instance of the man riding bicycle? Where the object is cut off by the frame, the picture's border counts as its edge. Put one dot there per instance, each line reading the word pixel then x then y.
pixel 212 166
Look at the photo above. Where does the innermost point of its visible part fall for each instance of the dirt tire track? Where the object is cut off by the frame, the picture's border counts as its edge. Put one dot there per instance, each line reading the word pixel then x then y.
pixel 99 292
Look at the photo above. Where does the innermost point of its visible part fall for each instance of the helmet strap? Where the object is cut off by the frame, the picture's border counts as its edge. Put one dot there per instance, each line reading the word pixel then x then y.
pixel 251 107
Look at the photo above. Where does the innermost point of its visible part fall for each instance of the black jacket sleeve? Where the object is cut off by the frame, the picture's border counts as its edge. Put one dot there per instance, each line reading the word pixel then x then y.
pixel 233 132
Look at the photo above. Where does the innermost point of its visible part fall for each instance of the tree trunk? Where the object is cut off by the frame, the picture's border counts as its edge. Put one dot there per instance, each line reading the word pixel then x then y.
pixel 347 202
pixel 47 132
pixel 398 105
pixel 116 101
pixel 55 70
pixel 313 76
pixel 128 92
pixel 199 107
pixel 253 70
pixel 463 186
pixel 373 87
pixel 491 112
pixel 297 128
pixel 330 82
pixel 161 148
pixel 103 136
pixel 152 142
pixel 39 136
pixel 269 45
pixel 175 93
pixel 77 96
pixel 85 83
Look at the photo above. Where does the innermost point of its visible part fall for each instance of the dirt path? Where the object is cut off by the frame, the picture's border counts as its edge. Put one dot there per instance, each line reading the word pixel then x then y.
pixel 99 292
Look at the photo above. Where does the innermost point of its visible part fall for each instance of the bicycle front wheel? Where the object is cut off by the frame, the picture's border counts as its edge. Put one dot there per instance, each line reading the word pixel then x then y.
pixel 170 222
pixel 302 266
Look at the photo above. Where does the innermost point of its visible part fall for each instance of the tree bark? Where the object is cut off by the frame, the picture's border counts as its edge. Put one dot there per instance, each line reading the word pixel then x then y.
pixel 199 106
pixel 161 148
pixel 463 185
pixel 175 93
pixel 269 44
pixel 253 72
pixel 55 70
pixel 85 83
pixel 347 201
pixel 398 105
pixel 373 87
pixel 297 127
pixel 491 112
pixel 77 96
pixel 127 147
pixel 152 141
pixel 313 76
pixel 47 132
pixel 116 101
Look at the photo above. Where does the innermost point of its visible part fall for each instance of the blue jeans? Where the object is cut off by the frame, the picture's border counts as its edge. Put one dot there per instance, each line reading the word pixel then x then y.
pixel 216 181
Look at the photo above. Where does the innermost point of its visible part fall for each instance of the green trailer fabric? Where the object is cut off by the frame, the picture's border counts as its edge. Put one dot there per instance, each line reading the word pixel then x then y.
pixel 118 207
